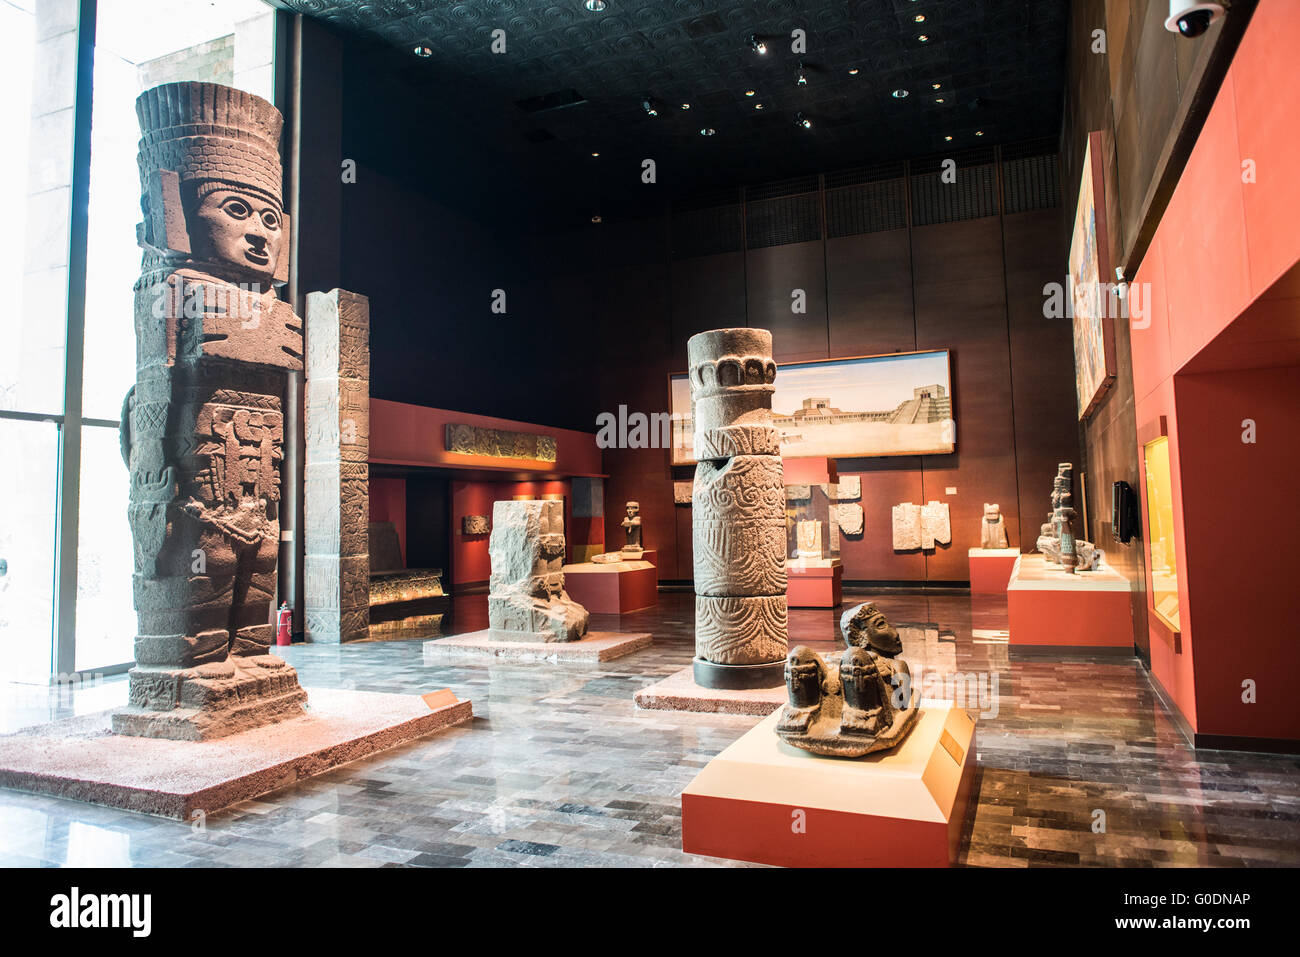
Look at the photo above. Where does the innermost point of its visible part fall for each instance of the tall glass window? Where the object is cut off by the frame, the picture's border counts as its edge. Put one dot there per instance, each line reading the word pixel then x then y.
pixel 138 44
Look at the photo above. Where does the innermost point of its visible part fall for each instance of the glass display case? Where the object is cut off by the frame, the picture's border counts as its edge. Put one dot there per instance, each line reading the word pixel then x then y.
pixel 1163 560
pixel 812 527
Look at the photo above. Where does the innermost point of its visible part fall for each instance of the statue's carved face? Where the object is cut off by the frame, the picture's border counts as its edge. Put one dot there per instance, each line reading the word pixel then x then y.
pixel 240 229
pixel 633 509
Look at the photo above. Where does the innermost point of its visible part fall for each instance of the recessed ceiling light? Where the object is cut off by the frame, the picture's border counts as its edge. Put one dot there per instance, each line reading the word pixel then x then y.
pixel 595 6
pixel 650 107
pixel 423 50
pixel 803 121
pixel 686 106
pixel 938 99
pixel 853 72
pixel 596 219
pixel 923 38
pixel 919 18
pixel 947 139
pixel 749 92
pixel 979 132
pixel 707 131
pixel 757 45
pixel 900 94
pixel 935 86
pixel 595 153
pixel 758 106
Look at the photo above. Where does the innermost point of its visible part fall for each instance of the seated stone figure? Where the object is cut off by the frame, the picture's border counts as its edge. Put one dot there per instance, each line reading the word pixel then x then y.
pixel 526 596
pixel 993 530
pixel 861 703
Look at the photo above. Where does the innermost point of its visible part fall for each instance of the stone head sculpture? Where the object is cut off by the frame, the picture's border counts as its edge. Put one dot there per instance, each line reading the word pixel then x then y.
pixel 210 182
pixel 865 626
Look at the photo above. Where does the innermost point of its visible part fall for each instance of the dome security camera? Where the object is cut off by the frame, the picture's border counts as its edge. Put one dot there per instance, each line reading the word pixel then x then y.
pixel 1192 19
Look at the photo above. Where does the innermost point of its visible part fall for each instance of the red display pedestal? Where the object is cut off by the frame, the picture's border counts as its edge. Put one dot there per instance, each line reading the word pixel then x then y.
pixel 813 586
pixel 765 801
pixel 1050 611
pixel 615 588
pixel 651 555
pixel 990 569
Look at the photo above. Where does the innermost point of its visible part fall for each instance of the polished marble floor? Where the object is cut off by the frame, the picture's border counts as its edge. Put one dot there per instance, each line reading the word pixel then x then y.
pixel 1079 764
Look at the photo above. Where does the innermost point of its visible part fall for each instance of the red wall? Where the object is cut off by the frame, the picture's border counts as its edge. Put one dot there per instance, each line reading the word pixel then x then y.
pixel 469 553
pixel 388 504
pixel 1220 246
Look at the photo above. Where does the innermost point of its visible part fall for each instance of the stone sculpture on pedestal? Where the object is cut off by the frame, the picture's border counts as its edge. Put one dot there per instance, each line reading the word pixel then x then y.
pixel 738 515
pixel 203 427
pixel 526 596
pixel 632 550
pixel 1056 538
pixel 861 703
pixel 993 530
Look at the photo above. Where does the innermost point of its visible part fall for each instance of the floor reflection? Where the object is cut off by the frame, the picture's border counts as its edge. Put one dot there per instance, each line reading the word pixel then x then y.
pixel 1078 761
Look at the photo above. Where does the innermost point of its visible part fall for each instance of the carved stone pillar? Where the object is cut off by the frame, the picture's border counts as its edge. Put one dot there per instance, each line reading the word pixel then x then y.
pixel 738 517
pixel 337 483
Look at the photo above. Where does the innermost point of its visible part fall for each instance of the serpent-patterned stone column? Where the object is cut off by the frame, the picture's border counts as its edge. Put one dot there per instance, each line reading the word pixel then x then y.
pixel 738 518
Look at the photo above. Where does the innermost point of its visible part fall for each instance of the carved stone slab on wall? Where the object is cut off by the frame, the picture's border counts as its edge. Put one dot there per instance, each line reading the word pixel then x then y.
pixel 682 492
pixel 921 526
pixel 336 499
pixel 850 488
pixel 499 443
pixel 475 525
pixel 850 518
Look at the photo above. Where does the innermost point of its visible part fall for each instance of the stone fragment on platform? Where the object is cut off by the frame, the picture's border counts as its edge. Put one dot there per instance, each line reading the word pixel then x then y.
pixel 490 643
pixel 526 596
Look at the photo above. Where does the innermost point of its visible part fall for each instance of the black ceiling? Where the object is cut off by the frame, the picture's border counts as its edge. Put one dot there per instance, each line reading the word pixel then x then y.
pixel 999 65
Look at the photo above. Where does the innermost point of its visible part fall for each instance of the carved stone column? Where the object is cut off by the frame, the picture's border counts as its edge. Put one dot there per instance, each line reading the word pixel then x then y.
pixel 738 517
pixel 337 484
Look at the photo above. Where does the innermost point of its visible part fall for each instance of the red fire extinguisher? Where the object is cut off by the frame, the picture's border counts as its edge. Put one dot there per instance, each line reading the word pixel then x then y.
pixel 283 625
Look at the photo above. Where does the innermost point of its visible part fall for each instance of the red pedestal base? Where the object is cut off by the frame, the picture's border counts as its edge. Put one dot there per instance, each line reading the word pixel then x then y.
pixel 762 800
pixel 613 589
pixel 1050 610
pixel 990 569
pixel 814 586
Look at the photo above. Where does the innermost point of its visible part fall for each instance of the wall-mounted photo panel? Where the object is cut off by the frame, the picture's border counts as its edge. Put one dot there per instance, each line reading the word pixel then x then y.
pixel 848 408
pixel 1090 273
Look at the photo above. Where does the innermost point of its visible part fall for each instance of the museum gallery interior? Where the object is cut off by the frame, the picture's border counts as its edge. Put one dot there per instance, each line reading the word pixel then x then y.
pixel 615 433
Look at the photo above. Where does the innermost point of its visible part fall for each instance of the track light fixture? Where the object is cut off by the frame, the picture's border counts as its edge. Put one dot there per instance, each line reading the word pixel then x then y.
pixel 650 107
pixel 757 45
pixel 801 77
pixel 802 121
pixel 422 50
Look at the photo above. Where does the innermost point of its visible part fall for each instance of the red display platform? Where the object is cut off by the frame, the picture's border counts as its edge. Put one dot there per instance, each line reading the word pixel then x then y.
pixel 765 801
pixel 615 588
pixel 813 586
pixel 990 569
pixel 1051 611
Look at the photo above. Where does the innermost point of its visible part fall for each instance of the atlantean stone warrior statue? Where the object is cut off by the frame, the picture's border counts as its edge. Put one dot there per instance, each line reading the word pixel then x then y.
pixel 993 530
pixel 526 596
pixel 738 518
pixel 203 427
pixel 863 702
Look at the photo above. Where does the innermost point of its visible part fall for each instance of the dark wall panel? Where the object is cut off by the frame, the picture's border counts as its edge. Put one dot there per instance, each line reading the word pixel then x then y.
pixel 869 294
pixel 772 273
pixel 871 556
pixel 708 292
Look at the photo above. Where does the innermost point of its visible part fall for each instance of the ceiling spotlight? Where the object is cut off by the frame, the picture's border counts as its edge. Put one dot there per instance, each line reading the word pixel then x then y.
pixel 749 92
pixel 595 153
pixel 803 121
pixel 924 38
pixel 899 94
pixel 597 219
pixel 422 50
pixel 947 139
pixel 919 18
pixel 853 72
pixel 757 45
pixel 758 106
pixel 938 99
pixel 801 77
pixel 686 106
pixel 707 131
pixel 979 132
pixel 935 86
pixel 595 6
pixel 649 107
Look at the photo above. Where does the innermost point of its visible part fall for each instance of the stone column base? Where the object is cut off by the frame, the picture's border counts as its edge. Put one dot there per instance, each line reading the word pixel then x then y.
pixel 708 674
